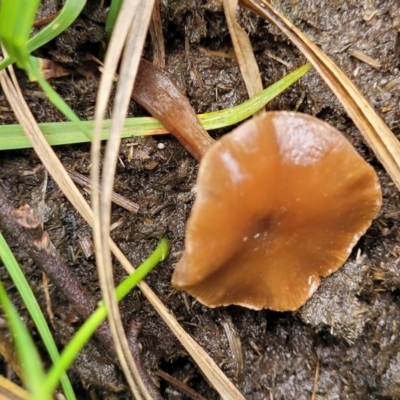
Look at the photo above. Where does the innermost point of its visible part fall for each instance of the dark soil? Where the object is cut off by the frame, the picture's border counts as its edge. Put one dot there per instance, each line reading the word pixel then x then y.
pixel 349 333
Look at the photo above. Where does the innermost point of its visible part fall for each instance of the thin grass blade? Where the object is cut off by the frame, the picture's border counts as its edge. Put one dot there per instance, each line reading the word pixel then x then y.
pixel 16 21
pixel 92 323
pixel 35 312
pixel 69 13
pixel 28 355
pixel 58 133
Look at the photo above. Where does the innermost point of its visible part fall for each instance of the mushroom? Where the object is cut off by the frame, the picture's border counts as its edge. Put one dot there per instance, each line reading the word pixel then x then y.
pixel 281 201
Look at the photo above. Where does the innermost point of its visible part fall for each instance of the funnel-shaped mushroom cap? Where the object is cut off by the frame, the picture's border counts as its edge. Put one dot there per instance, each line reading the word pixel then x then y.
pixel 281 201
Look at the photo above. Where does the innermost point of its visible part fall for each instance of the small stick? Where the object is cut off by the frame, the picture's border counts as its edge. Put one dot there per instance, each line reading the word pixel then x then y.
pixel 235 344
pixel 85 182
pixel 24 225
pixel 180 386
pixel 133 341
pixel 364 58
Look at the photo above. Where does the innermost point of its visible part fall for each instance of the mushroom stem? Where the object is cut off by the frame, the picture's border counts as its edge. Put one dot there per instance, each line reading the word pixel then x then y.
pixel 157 94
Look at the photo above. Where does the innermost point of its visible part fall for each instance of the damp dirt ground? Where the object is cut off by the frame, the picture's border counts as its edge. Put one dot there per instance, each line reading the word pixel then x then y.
pixel 344 344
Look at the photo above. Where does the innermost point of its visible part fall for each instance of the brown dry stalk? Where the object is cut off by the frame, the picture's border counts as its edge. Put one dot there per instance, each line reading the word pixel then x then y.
pixel 24 225
pixel 8 351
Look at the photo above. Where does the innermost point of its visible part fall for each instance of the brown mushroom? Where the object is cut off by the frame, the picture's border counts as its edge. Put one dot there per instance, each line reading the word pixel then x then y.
pixel 281 201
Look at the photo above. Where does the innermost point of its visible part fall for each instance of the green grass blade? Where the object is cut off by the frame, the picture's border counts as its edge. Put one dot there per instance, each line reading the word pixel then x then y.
pixel 245 110
pixel 27 353
pixel 26 350
pixel 13 137
pixel 68 14
pixel 56 99
pixel 92 323
pixel 30 301
pixel 16 21
pixel 112 17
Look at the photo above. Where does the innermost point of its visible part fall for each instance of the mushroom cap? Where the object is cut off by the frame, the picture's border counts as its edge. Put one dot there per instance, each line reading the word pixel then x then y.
pixel 281 201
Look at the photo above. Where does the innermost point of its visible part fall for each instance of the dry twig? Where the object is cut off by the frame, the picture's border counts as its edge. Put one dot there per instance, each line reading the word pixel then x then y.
pixel 180 385
pixel 85 182
pixel 24 225
pixel 133 340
